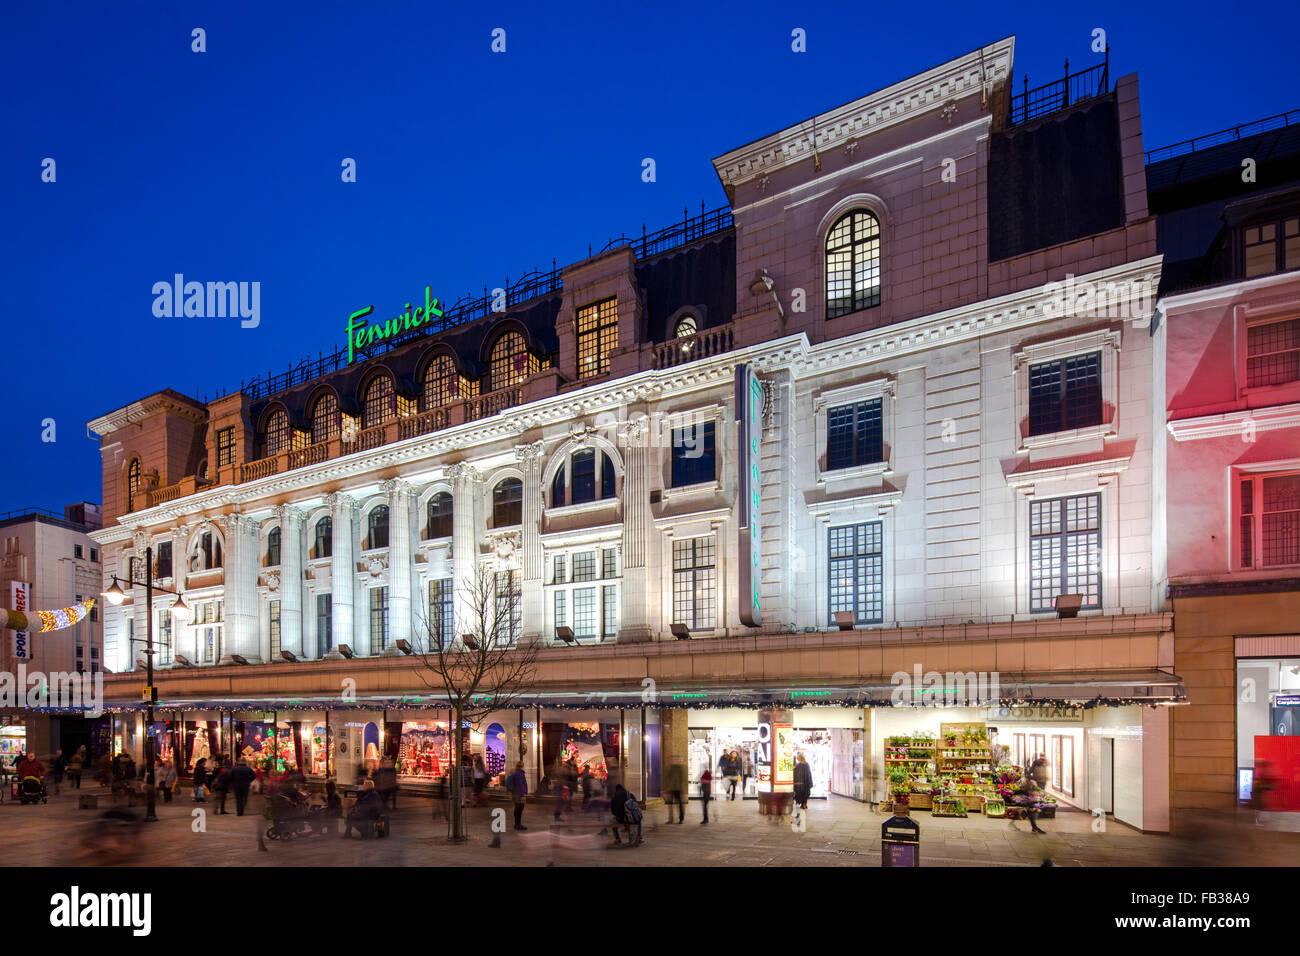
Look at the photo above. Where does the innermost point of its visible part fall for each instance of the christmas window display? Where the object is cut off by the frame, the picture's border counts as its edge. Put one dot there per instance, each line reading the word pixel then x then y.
pixel 256 746
pixel 494 750
pixel 202 742
pixel 424 751
pixel 318 748
pixel 582 743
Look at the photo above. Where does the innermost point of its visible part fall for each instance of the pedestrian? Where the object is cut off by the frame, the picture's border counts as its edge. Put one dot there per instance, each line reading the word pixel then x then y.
pixel 76 766
pixel 241 779
pixel 802 789
pixel 104 769
pixel 732 774
pixel 368 808
pixel 221 784
pixel 616 805
pixel 201 780
pixel 1026 798
pixel 747 771
pixel 58 764
pixel 1039 770
pixel 632 813
pixel 706 792
pixel 480 781
pixel 166 780
pixel 333 802
pixel 385 778
pixel 518 787
pixel 570 781
pixel 587 780
pixel 674 788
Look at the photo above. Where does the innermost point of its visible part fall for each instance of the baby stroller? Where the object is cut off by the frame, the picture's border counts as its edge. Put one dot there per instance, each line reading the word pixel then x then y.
pixel 289 816
pixel 32 790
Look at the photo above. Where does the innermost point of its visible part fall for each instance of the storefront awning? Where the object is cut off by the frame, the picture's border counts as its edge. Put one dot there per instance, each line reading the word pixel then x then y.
pixel 931 689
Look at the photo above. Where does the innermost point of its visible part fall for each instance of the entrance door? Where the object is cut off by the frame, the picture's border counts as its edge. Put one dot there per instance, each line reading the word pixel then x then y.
pixel 1107 774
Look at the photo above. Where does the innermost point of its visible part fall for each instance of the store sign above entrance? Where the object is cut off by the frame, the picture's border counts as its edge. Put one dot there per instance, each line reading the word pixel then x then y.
pixel 363 336
pixel 1037 713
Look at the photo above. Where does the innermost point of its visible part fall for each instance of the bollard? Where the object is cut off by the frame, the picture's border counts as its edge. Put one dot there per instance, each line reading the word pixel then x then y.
pixel 900 842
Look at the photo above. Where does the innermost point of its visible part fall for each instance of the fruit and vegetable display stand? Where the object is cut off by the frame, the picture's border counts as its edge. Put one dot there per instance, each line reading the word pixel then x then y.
pixel 963 756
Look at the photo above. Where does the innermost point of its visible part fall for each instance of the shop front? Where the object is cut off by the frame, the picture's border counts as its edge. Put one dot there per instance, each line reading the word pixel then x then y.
pixel 830 739
pixel 13 742
pixel 1268 733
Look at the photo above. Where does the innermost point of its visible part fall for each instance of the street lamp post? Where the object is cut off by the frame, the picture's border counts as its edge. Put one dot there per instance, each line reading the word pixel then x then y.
pixel 115 597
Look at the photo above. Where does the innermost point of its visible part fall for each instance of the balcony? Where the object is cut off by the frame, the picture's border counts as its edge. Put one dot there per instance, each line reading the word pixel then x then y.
pixel 703 344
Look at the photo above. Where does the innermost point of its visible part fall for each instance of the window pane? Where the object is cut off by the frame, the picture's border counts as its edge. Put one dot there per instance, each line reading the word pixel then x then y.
pixel 1273 353
pixel 853 264
pixel 1064 551
pixel 584 612
pixel 560 619
pixel 325 419
pixel 1280 524
pixel 584 566
pixel 609 563
pixel 597 337
pixel 854 434
pixel 440 515
pixel 583 464
pixel 379 405
pixel 561 570
pixel 856 572
pixel 694 454
pixel 609 626
pixel 608 483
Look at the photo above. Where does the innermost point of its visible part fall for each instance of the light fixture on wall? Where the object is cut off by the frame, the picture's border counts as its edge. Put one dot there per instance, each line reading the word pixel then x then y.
pixel 1067 605
pixel 239 659
pixel 845 620
pixel 345 650
pixel 565 634
pixel 183 660
pixel 469 641
pixel 289 656
pixel 403 645
pixel 680 631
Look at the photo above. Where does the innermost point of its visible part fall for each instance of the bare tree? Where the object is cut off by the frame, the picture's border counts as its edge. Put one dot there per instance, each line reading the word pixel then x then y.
pixel 480 670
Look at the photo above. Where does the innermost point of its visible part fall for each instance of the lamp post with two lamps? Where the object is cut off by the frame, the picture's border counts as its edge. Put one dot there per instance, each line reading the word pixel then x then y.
pixel 115 596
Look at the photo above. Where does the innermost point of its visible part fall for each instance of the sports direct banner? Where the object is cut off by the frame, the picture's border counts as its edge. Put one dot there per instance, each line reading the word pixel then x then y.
pixel 18 601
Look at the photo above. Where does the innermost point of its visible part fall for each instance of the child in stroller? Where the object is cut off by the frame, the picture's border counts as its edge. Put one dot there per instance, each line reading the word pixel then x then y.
pixel 290 815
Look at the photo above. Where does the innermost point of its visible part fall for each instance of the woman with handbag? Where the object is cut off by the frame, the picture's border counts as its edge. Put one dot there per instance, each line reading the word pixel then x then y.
pixel 201 780
pixel 167 780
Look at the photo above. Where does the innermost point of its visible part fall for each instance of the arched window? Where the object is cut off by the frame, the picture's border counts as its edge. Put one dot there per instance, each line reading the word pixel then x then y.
pixel 273 547
pixel 441 383
pixel 508 503
pixel 276 437
pixel 589 476
pixel 325 419
pixel 377 536
pixel 207 552
pixel 685 326
pixel 325 537
pixel 440 519
pixel 852 264
pixel 132 485
pixel 510 363
pixel 379 407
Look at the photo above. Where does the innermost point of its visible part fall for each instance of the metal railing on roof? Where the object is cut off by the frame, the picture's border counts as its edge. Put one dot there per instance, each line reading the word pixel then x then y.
pixel 1232 134
pixel 470 307
pixel 29 512
pixel 1072 88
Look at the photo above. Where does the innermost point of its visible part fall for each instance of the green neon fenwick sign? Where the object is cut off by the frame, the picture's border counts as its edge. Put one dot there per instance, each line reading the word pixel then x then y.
pixel 362 335
pixel 749 424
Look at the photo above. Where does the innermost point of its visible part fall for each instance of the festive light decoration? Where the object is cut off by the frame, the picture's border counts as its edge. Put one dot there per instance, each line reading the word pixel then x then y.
pixel 43 621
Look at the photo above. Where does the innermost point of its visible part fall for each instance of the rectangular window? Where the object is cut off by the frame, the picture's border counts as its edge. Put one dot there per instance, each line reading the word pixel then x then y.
pixel 94 554
pixel 164 561
pixel 584 612
pixel 324 537
pixel 694 454
pixel 76 551
pixel 561 575
pixel 1273 353
pixel 225 446
pixel 1064 394
pixel 94 613
pixel 856 577
pixel 442 608
pixel 1271 247
pixel 583 465
pixel 695 583
pixel 609 616
pixel 1067 766
pixel 1064 551
pixel 584 566
pixel 273 619
pixel 561 609
pixel 609 563
pixel 325 622
pixel 855 434
pixel 81 654
pixel 597 337
pixel 1270 520
pixel 378 619
pixel 509 613
pixel 94 659
pixel 163 645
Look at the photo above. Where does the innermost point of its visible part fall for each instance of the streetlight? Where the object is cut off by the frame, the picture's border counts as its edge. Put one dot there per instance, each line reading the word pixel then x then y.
pixel 180 610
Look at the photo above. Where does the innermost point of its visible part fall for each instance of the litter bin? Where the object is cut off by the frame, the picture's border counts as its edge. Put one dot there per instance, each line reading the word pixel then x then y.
pixel 900 842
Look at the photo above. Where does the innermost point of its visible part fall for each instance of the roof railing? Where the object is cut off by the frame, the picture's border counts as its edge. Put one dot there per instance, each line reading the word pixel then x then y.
pixel 28 512
pixel 471 307
pixel 1051 97
pixel 1232 134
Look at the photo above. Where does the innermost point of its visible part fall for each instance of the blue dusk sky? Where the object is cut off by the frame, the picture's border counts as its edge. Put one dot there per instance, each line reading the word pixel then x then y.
pixel 471 165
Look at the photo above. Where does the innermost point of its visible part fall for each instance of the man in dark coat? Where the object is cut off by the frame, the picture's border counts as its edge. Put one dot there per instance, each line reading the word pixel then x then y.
pixel 241 779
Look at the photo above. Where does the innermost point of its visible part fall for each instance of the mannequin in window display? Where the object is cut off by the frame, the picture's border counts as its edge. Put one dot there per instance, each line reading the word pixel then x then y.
pixel 200 750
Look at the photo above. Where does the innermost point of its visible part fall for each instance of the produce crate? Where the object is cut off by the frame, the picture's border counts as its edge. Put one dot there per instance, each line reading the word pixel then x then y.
pixel 921 801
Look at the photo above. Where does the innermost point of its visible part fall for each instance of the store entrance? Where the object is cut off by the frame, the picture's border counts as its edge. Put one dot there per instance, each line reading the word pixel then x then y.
pixel 708 744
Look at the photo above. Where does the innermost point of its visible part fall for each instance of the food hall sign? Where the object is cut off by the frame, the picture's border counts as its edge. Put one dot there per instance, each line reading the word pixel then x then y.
pixel 1037 712
pixel 362 335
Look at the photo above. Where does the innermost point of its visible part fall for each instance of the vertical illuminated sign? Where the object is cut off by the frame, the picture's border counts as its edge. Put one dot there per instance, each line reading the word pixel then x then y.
pixel 775 763
pixel 749 422
pixel 18 601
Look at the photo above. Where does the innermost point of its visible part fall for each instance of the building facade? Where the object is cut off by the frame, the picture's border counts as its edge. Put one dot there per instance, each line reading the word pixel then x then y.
pixel 934 317
pixel 1228 354
pixel 53 561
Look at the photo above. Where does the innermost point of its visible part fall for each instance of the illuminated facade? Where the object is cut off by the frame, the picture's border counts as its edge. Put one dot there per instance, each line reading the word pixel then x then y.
pixel 954 362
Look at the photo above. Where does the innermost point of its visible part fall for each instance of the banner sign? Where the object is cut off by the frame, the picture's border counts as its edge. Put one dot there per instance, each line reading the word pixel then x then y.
pixel 749 422
pixel 18 600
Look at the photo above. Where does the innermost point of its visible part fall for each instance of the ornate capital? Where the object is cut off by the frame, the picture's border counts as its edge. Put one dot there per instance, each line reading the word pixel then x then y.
pixel 139 539
pixel 530 453
pixel 633 432
pixel 395 486
pixel 462 471
pixel 271 580
pixel 337 500
pixel 290 513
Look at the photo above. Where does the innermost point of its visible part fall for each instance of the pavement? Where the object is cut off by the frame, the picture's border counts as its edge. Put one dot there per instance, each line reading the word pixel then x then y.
pixel 840 832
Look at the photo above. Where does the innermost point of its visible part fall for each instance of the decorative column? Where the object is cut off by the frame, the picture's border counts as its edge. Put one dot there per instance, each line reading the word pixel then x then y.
pixel 465 481
pixel 532 611
pixel 242 633
pixel 291 551
pixel 342 576
pixel 637 465
pixel 399 563
pixel 139 610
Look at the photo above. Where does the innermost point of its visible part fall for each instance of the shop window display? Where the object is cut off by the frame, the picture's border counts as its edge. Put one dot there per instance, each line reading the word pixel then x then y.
pixel 583 744
pixel 706 747
pixel 13 741
pixel 494 746
pixel 424 750
pixel 320 745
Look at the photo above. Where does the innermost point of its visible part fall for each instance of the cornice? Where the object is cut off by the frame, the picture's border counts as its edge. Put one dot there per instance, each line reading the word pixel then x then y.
pixel 172 402
pixel 1235 423
pixel 1229 290
pixel 976 72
